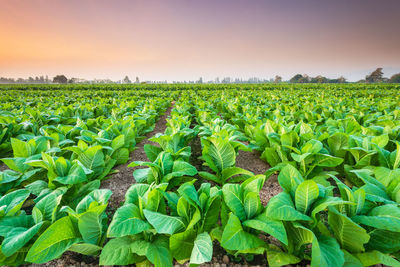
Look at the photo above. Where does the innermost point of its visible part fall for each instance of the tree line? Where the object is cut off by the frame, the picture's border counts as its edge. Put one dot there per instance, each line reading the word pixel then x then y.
pixel 374 77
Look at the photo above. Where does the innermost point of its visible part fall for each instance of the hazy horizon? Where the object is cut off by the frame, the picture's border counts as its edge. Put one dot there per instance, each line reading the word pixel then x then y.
pixel 185 40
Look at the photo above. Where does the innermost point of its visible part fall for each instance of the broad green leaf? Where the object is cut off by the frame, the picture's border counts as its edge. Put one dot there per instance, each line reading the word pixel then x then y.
pixel 181 245
pixel 85 249
pixel 152 151
pixel 17 238
pixel 127 221
pixel 272 227
pixel 325 160
pixel 385 217
pixel 118 252
pixel 252 204
pixel 306 194
pixel 202 249
pixel 233 197
pixel 136 191
pixel 384 241
pixel 232 171
pixel 118 142
pixel 90 225
pixel 375 257
pixel 13 201
pixel 222 153
pixel 235 238
pixel 279 258
pixel 289 178
pixel 164 224
pixel 281 207
pixel 59 237
pixel 350 235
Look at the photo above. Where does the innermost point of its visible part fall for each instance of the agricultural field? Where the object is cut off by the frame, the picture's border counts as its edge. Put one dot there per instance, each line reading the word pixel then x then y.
pixel 211 175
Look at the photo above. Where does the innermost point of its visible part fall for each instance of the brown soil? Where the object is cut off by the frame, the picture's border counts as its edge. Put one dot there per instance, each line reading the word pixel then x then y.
pixel 120 182
pixel 251 161
pixel 271 188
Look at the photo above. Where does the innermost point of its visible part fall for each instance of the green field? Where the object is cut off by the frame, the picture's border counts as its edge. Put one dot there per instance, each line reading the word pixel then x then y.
pixel 331 150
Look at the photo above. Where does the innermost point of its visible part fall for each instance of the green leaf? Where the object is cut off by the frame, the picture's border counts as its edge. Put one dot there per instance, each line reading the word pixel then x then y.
pixel 279 258
pixel 306 193
pixel 141 175
pixel 46 208
pixel 289 178
pixel 210 177
pixel 134 192
pixel 14 201
pixel 232 171
pixel 159 254
pixel 233 197
pixel 85 249
pixel 152 151
pixel 127 221
pixel 21 149
pixel 121 155
pixel 181 245
pixel 164 224
pixel 385 217
pixel 252 204
pixel 326 252
pixel 188 191
pixel 118 252
pixel 385 175
pixel 325 160
pixel 202 249
pixel 281 207
pixel 181 168
pixel 75 175
pixel 350 235
pixel 375 257
pixel 90 225
pixel 59 237
pixel 337 142
pixel 211 214
pixel 118 142
pixel 17 238
pixel 235 238
pixel 272 227
pixel 395 156
pixel 384 241
pixel 222 153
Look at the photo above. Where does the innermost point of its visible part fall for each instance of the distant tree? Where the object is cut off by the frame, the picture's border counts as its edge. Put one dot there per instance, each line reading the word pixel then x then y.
pixel 126 80
pixel 296 78
pixel 137 80
pixel 319 79
pixel 395 78
pixel 60 79
pixel 342 79
pixel 375 77
pixel 278 79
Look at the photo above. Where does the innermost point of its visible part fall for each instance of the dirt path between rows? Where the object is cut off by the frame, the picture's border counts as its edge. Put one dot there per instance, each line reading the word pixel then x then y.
pixel 120 182
pixel 251 161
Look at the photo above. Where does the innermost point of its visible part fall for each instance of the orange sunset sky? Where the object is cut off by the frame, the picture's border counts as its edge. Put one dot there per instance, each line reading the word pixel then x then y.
pixel 185 39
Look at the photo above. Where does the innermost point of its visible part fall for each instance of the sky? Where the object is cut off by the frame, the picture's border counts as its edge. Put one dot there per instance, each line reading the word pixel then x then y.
pixel 187 39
